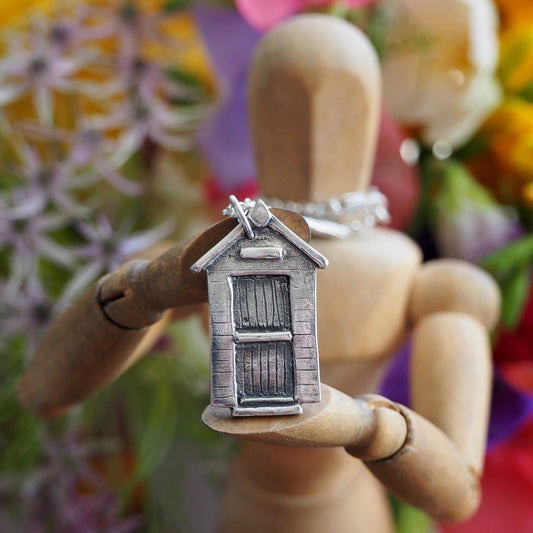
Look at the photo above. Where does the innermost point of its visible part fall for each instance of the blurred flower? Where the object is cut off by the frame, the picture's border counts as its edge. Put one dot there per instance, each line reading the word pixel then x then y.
pixel 89 92
pixel 107 248
pixel 151 112
pixel 394 173
pixel 65 494
pixel 34 65
pixel 69 27
pixel 26 310
pixel 504 159
pixel 439 67
pixel 469 223
pixel 89 151
pixel 515 13
pixel 263 15
pixel 133 25
pixel 26 235
pixel 49 185
pixel 225 140
pixel 475 230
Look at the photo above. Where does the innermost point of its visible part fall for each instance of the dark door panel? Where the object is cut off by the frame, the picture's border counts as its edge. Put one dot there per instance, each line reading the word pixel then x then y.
pixel 265 370
pixel 261 303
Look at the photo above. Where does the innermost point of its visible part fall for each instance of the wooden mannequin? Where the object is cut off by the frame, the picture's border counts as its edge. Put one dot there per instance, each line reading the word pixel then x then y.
pixel 314 105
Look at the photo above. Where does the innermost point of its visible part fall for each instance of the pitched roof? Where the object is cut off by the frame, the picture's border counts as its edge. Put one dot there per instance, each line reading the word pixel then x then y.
pixel 261 217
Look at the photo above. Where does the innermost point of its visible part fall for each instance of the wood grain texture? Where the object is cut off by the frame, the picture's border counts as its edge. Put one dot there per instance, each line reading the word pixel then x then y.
pixel 454 285
pixel 337 420
pixel 302 490
pixel 81 353
pixel 451 371
pixel 429 472
pixel 314 117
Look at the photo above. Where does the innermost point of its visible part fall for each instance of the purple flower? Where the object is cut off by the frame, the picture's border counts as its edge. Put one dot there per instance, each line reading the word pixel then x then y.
pixel 64 493
pixel 70 27
pixel 24 231
pixel 149 113
pixel 25 310
pixel 88 155
pixel 132 26
pixel 225 141
pixel 91 149
pixel 106 249
pixel 34 65
pixel 468 222
pixel 474 230
pixel 49 183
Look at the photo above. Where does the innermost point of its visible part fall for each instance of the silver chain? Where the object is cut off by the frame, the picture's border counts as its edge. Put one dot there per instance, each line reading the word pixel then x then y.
pixel 343 216
pixel 336 217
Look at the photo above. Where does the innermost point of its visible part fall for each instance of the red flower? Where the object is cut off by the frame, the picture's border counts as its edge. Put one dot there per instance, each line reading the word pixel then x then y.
pixel 507 487
pixel 507 482
pixel 513 353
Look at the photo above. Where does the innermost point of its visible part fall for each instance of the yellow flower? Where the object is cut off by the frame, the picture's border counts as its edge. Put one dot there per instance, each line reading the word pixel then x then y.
pixel 516 61
pixel 507 164
pixel 157 38
pixel 192 57
pixel 15 12
pixel 527 193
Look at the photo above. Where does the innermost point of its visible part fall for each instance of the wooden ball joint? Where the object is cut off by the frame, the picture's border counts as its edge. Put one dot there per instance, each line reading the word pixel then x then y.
pixel 314 105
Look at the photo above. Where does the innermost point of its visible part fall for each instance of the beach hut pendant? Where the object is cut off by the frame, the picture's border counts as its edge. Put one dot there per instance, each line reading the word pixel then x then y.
pixel 261 283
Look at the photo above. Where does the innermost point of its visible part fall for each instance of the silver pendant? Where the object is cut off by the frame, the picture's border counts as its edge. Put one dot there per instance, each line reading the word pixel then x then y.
pixel 262 307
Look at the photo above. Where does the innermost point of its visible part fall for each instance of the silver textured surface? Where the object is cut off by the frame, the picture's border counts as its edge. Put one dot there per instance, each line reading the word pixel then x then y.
pixel 262 252
pixel 264 354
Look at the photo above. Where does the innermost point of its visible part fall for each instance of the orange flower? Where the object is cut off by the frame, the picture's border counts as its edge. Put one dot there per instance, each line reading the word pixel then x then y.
pixel 515 13
pixel 506 164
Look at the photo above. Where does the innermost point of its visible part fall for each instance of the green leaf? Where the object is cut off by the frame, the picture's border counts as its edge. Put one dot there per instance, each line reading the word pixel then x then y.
pixel 410 520
pixel 456 187
pixel 20 446
pixel 159 431
pixel 514 294
pixel 176 5
pixel 422 216
pixel 515 256
pixel 183 77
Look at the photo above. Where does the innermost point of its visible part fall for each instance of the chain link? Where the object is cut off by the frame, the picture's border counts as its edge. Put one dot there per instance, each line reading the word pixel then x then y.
pixel 336 217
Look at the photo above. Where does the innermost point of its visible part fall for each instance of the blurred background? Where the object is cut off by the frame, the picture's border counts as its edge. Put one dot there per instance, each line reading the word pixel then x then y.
pixel 123 126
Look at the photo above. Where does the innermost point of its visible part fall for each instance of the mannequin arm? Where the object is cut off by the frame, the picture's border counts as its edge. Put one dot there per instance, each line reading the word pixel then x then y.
pixel 453 306
pixel 96 338
pixel 101 334
pixel 409 455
